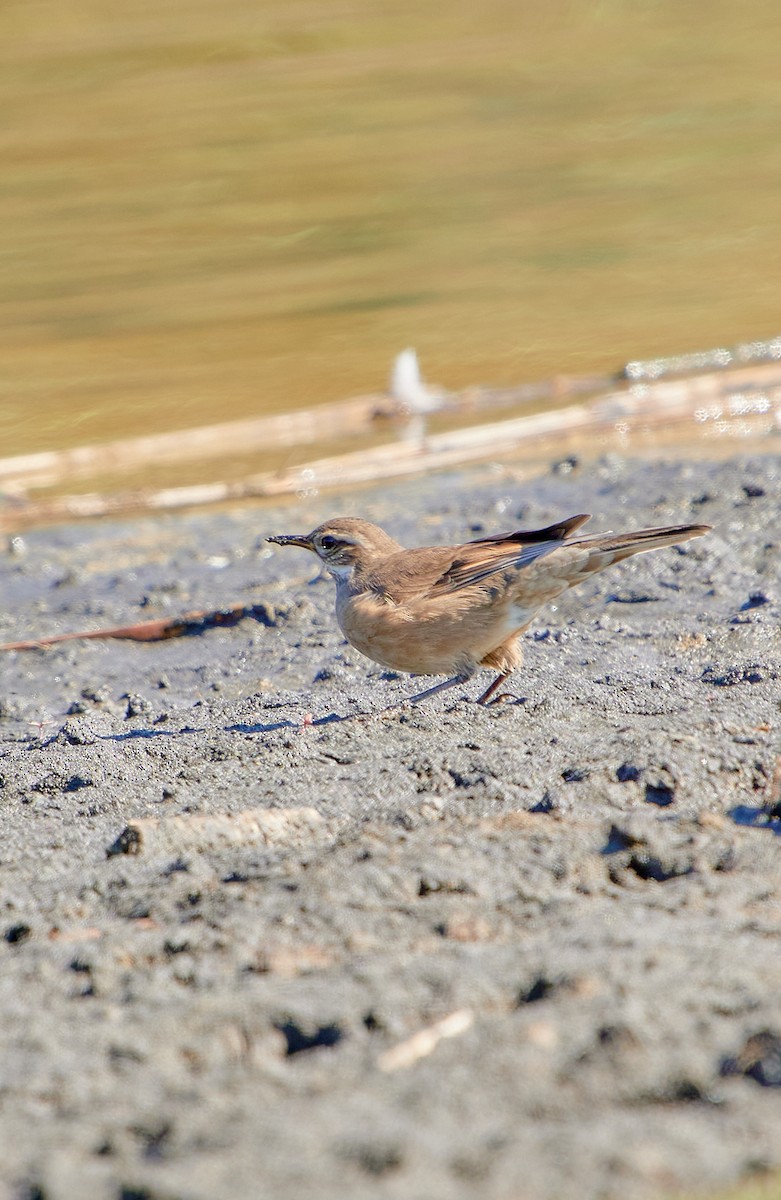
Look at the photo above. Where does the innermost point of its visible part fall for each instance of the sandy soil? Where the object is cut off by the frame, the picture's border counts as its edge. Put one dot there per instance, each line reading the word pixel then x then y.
pixel 576 895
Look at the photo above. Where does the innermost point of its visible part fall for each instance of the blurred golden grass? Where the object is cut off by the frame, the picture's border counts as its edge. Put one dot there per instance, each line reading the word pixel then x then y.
pixel 212 210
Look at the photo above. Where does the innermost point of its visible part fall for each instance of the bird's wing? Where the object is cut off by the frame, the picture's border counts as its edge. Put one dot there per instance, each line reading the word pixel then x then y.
pixel 551 533
pixel 474 567
pixel 478 560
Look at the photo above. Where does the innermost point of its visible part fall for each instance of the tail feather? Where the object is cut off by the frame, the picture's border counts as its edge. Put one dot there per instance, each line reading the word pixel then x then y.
pixel 622 545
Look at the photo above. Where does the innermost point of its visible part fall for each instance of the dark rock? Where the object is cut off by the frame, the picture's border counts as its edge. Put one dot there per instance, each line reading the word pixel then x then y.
pixel 16 934
pixel 299 1040
pixel 137 706
pixel 737 674
pixel 541 989
pixel 648 866
pixel 759 1059
pixel 755 600
pixel 660 794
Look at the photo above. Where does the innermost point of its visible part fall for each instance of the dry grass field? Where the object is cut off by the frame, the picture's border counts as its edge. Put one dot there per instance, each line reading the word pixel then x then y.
pixel 213 210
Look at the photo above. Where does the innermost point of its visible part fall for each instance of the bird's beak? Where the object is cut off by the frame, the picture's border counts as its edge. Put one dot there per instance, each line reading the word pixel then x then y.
pixel 291 539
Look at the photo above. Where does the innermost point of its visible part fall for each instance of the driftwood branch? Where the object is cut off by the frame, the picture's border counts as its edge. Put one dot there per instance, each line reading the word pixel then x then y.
pixel 280 431
pixel 158 630
pixel 725 403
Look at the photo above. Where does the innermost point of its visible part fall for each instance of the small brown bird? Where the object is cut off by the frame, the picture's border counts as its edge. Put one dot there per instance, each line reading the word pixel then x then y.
pixel 449 610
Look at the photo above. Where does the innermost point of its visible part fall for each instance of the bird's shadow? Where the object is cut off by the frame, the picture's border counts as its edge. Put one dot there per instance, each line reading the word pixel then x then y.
pixel 260 727
pixel 333 718
pixel 239 727
pixel 305 722
pixel 131 734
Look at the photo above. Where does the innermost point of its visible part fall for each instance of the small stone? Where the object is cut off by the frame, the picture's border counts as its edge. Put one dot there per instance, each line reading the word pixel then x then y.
pixel 541 989
pixel 759 1059
pixel 737 674
pixel 76 732
pixel 15 934
pixel 565 466
pixel 660 794
pixel 546 805
pixel 755 600
pixel 128 842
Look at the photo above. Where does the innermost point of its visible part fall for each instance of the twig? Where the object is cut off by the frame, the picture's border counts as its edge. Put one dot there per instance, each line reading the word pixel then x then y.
pixel 425 1041
pixel 156 631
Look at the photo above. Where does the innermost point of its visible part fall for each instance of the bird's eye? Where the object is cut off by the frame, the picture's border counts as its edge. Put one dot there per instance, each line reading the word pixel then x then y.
pixel 328 542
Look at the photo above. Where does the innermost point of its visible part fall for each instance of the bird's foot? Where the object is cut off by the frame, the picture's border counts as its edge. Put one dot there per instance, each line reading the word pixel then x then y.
pixel 502 698
pixel 489 697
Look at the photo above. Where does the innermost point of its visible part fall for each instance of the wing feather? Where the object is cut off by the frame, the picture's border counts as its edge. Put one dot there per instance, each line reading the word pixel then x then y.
pixel 484 557
pixel 464 572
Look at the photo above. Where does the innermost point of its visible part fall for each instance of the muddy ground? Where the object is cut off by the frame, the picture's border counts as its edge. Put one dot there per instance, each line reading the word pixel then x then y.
pixel 576 894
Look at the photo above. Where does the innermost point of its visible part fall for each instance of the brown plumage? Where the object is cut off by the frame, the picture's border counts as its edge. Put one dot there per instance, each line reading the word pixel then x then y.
pixel 450 610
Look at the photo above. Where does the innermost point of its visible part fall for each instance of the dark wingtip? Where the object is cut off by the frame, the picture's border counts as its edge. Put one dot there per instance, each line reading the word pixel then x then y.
pixel 552 533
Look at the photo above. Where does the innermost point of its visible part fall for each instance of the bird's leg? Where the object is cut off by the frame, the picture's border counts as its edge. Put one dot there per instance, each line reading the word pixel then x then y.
pixel 432 691
pixel 487 695
pixel 438 687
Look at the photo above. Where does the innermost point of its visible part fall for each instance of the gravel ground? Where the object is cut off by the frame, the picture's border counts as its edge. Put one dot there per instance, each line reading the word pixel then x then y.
pixel 527 952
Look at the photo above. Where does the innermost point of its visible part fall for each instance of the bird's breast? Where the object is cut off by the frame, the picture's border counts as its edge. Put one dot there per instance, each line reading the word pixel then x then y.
pixel 384 632
pixel 425 637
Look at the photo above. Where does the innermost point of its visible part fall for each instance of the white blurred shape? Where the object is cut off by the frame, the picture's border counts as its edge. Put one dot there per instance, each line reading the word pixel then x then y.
pixel 408 388
pixel 414 398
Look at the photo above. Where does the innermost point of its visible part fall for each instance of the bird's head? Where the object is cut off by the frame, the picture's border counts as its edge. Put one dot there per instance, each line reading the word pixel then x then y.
pixel 342 544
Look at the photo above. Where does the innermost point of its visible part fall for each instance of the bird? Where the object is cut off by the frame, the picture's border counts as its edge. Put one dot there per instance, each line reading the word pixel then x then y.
pixel 452 610
pixel 416 400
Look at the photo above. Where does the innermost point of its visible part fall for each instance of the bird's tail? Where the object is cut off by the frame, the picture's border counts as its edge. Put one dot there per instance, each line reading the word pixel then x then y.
pixel 608 548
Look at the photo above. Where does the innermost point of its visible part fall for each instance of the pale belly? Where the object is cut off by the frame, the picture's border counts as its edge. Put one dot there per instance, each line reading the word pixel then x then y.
pixel 442 639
